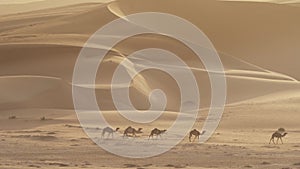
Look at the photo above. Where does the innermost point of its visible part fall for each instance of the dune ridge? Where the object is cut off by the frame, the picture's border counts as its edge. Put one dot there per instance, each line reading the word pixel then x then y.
pixel 258 50
pixel 53 36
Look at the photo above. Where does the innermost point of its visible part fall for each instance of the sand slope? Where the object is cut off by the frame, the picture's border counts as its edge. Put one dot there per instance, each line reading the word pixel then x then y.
pixel 258 45
pixel 245 56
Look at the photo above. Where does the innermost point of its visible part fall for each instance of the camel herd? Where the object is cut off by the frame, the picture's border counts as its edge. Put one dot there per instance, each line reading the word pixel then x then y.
pixel 132 132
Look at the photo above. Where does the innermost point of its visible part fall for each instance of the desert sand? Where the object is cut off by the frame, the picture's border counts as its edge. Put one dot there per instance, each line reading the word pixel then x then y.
pixel 258 44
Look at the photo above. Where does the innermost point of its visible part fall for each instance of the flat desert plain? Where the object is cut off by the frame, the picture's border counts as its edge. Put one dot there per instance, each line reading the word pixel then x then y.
pixel 259 46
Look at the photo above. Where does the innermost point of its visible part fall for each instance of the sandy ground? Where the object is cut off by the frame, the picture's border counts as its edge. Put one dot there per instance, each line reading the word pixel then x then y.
pixel 258 44
pixel 241 141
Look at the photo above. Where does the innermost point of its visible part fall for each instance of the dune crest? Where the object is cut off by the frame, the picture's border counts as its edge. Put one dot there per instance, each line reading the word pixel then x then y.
pixel 258 44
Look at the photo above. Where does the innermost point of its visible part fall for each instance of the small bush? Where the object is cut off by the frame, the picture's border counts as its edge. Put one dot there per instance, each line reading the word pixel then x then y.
pixel 43 118
pixel 12 117
pixel 265 163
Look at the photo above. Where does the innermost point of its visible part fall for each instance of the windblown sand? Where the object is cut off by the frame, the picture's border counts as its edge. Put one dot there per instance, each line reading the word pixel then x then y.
pixel 258 44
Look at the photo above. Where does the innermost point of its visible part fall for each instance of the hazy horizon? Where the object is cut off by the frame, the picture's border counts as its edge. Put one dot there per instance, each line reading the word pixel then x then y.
pixel 195 84
pixel 30 1
pixel 20 6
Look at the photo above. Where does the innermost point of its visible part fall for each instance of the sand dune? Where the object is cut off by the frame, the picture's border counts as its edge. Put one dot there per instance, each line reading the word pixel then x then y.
pixel 34 92
pixel 257 43
pixel 51 47
pixel 270 1
pixel 237 35
pixel 12 7
pixel 63 36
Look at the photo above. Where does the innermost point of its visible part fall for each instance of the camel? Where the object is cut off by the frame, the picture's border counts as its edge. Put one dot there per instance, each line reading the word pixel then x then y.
pixel 133 131
pixel 195 133
pixel 110 131
pixel 278 135
pixel 156 132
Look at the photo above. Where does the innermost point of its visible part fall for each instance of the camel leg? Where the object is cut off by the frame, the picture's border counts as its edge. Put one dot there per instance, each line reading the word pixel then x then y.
pixel 277 140
pixel 102 135
pixel 281 140
pixel 194 138
pixel 271 139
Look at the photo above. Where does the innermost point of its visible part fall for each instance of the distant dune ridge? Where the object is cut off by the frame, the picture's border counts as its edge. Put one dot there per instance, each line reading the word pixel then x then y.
pixel 258 44
pixel 20 6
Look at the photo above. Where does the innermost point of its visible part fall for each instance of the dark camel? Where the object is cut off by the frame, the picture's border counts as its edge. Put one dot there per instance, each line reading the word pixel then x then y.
pixel 156 132
pixel 132 131
pixel 278 135
pixel 195 133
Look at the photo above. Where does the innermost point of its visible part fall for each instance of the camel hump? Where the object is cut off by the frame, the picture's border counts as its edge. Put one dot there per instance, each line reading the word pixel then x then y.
pixel 128 128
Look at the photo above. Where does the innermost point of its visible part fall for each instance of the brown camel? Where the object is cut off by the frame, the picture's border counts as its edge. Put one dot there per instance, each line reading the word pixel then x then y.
pixel 278 135
pixel 110 131
pixel 156 132
pixel 195 133
pixel 133 131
